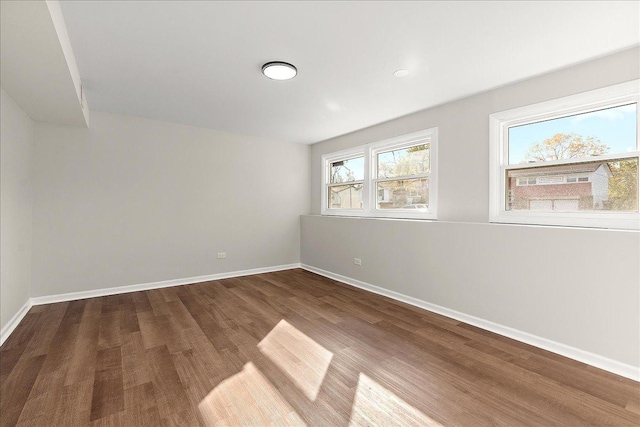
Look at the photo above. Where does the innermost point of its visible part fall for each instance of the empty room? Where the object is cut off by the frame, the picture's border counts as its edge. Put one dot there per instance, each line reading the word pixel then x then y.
pixel 319 213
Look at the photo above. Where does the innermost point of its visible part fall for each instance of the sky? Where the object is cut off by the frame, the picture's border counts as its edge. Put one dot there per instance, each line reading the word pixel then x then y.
pixel 615 127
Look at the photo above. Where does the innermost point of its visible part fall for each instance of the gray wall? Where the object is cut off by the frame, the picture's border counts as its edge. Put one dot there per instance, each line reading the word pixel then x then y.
pixel 16 203
pixel 131 201
pixel 463 132
pixel 578 287
pixel 575 286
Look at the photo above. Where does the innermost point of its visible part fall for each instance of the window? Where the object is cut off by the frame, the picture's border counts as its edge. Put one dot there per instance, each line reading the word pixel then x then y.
pixel 345 183
pixel 390 178
pixel 571 161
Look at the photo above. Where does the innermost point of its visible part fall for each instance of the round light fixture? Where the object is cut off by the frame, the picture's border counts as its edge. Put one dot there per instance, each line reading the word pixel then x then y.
pixel 401 73
pixel 278 70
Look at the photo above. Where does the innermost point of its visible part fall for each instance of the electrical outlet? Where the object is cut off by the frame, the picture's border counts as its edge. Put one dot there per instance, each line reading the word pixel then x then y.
pixel 222 255
pixel 357 261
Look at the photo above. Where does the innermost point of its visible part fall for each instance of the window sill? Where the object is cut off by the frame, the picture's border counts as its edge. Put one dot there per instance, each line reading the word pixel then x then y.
pixel 415 217
pixel 486 224
pixel 608 221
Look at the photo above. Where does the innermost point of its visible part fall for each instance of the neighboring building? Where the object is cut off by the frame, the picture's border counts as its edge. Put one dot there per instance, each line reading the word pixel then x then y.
pixel 391 196
pixel 348 196
pixel 399 194
pixel 560 188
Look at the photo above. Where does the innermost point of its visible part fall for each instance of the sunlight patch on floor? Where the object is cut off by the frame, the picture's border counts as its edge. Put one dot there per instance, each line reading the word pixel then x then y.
pixel 302 359
pixel 374 405
pixel 247 399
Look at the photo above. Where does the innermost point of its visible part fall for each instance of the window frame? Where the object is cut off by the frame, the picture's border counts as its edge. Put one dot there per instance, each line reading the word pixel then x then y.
pixel 369 190
pixel 499 124
pixel 328 159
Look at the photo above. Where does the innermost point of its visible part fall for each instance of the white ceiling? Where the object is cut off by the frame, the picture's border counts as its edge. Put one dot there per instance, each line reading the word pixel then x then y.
pixel 37 68
pixel 198 63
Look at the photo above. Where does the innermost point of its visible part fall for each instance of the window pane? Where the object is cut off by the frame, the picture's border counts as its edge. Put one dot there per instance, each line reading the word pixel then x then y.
pixel 607 186
pixel 347 170
pixel 607 131
pixel 404 162
pixel 403 194
pixel 345 196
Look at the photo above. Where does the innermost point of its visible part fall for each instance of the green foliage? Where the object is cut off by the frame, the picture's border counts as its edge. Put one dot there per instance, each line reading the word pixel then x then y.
pixel 623 185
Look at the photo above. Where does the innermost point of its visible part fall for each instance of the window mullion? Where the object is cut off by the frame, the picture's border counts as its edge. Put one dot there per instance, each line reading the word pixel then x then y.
pixel 368 196
pixel 402 178
pixel 579 160
pixel 342 184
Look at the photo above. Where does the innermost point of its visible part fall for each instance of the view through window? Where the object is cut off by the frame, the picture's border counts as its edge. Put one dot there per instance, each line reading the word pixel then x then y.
pixel 402 178
pixel 576 184
pixel 570 161
pixel 395 178
pixel 345 183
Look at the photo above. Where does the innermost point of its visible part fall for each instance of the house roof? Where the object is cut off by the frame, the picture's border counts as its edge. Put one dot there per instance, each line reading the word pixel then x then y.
pixel 561 169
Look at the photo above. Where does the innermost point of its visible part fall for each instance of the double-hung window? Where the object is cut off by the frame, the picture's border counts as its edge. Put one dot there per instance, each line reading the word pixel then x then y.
pixel 391 178
pixel 571 161
pixel 345 182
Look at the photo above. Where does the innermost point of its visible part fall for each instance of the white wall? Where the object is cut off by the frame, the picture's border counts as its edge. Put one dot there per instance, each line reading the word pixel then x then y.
pixel 574 286
pixel 16 202
pixel 132 201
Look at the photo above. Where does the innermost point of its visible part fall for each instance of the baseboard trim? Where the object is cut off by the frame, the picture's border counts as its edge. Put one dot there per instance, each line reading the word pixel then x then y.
pixel 14 321
pixel 71 296
pixel 618 368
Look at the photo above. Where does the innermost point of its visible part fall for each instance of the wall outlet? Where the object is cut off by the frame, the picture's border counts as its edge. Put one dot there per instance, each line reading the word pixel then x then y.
pixel 357 261
pixel 222 255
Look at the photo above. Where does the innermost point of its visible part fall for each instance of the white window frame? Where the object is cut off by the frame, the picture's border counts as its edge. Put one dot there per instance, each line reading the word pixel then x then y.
pixel 499 124
pixel 369 193
pixel 578 179
pixel 327 160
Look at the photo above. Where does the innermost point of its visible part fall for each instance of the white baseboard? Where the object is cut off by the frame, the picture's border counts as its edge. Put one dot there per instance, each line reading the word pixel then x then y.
pixel 71 296
pixel 15 320
pixel 49 299
pixel 618 368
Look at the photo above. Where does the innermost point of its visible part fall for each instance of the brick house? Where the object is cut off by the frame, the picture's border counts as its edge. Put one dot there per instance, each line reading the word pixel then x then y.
pixel 583 186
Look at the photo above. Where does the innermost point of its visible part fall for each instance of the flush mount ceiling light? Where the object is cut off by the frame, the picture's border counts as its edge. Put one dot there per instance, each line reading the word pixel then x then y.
pixel 401 73
pixel 278 70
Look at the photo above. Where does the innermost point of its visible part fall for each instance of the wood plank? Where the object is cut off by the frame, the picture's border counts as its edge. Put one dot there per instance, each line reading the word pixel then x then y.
pixel 15 390
pixel 21 336
pixel 135 368
pixel 129 321
pixel 170 394
pixel 75 404
pixel 42 339
pixel 290 348
pixel 83 358
pixel 108 388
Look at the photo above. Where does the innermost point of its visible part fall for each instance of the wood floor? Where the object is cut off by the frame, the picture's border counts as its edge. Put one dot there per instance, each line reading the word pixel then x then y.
pixel 287 348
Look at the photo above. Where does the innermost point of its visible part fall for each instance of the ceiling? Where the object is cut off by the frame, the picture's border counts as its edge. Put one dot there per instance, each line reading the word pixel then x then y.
pixel 198 63
pixel 37 66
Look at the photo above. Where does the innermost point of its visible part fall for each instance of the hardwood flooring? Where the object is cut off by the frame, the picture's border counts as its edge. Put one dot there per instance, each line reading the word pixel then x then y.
pixel 287 348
